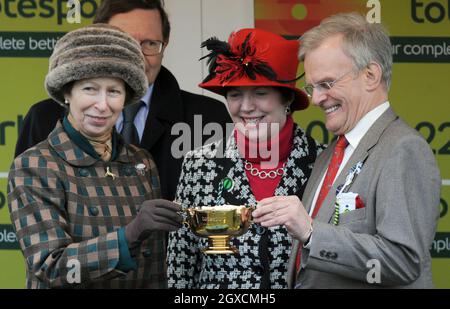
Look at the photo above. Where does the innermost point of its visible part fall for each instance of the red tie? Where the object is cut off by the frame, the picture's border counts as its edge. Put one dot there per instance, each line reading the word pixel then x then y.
pixel 333 168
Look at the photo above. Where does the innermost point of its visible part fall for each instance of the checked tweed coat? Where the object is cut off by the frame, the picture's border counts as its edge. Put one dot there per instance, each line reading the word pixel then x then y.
pixel 66 212
pixel 263 255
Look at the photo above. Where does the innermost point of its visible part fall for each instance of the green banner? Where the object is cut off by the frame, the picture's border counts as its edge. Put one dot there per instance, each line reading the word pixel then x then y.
pixel 441 246
pixel 8 240
pixel 420 35
pixel 29 30
pixel 28 44
pixel 421 49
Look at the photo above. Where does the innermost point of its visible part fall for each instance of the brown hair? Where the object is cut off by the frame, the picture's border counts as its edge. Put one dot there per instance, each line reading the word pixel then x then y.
pixel 109 8
pixel 287 95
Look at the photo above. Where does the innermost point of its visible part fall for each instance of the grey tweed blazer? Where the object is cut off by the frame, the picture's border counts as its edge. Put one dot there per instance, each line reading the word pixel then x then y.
pixel 400 186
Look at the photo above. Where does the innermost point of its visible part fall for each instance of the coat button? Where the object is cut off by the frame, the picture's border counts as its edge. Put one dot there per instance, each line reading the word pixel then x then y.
pixel 322 253
pixel 147 253
pixel 258 269
pixel 93 211
pixel 83 172
pixel 260 230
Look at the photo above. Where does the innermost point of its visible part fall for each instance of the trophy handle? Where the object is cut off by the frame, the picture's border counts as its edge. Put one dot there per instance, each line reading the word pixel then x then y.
pixel 251 211
pixel 185 213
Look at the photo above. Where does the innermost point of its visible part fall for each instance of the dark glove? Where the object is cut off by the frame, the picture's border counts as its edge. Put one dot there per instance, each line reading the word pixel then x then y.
pixel 154 215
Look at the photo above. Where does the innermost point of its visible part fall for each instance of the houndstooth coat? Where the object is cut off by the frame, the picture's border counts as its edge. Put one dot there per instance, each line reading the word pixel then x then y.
pixel 66 212
pixel 263 253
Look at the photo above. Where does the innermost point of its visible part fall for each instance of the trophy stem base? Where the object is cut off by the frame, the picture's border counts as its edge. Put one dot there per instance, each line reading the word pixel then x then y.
pixel 219 244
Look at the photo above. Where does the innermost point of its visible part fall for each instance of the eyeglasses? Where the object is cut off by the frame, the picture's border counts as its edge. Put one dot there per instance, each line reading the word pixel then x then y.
pixel 323 86
pixel 152 47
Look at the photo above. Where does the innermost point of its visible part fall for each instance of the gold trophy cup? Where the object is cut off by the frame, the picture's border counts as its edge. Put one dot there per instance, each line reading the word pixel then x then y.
pixel 219 224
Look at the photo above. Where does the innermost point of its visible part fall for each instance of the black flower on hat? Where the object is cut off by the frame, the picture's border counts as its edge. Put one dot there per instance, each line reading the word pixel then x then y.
pixel 227 62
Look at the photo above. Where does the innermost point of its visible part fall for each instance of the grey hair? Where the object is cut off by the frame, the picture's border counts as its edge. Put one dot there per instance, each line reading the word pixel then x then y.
pixel 363 42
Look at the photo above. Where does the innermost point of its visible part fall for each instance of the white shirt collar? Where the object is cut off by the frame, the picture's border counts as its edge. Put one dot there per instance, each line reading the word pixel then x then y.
pixel 357 133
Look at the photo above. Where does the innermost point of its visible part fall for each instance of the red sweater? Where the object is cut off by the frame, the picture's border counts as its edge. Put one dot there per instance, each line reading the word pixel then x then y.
pixel 263 188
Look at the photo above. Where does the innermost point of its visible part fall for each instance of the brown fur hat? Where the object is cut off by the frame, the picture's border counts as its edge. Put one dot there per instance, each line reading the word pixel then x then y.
pixel 98 50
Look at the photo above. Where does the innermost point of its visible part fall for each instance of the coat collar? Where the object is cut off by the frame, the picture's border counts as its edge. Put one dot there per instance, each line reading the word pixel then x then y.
pixel 166 108
pixel 298 162
pixel 166 98
pixel 60 142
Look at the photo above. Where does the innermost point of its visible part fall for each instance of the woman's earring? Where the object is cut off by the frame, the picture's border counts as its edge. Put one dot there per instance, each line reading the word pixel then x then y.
pixel 66 101
pixel 288 110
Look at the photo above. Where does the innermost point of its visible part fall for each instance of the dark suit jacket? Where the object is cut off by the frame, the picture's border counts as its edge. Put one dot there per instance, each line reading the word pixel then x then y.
pixel 169 105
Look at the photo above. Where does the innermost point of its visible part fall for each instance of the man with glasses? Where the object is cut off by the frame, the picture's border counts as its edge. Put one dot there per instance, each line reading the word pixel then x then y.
pixel 370 208
pixel 148 123
pixel 323 85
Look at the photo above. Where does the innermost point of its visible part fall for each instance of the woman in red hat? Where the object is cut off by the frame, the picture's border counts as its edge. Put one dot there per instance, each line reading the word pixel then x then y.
pixel 267 155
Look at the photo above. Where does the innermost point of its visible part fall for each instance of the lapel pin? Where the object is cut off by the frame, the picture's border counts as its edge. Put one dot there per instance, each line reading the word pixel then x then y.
pixel 227 184
pixel 140 168
pixel 109 173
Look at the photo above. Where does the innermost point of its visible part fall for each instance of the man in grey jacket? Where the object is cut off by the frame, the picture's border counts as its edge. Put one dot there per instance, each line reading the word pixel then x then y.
pixel 369 212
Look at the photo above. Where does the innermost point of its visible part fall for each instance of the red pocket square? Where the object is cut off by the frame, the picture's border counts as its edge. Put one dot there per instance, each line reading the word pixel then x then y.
pixel 359 203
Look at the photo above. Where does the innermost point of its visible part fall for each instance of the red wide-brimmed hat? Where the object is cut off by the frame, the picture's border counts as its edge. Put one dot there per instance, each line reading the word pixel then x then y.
pixel 253 57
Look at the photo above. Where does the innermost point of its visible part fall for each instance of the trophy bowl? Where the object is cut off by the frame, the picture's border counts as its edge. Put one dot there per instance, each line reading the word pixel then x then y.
pixel 219 224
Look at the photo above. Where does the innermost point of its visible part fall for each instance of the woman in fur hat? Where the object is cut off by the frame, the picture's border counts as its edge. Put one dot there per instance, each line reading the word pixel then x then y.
pixel 85 206
pixel 267 155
